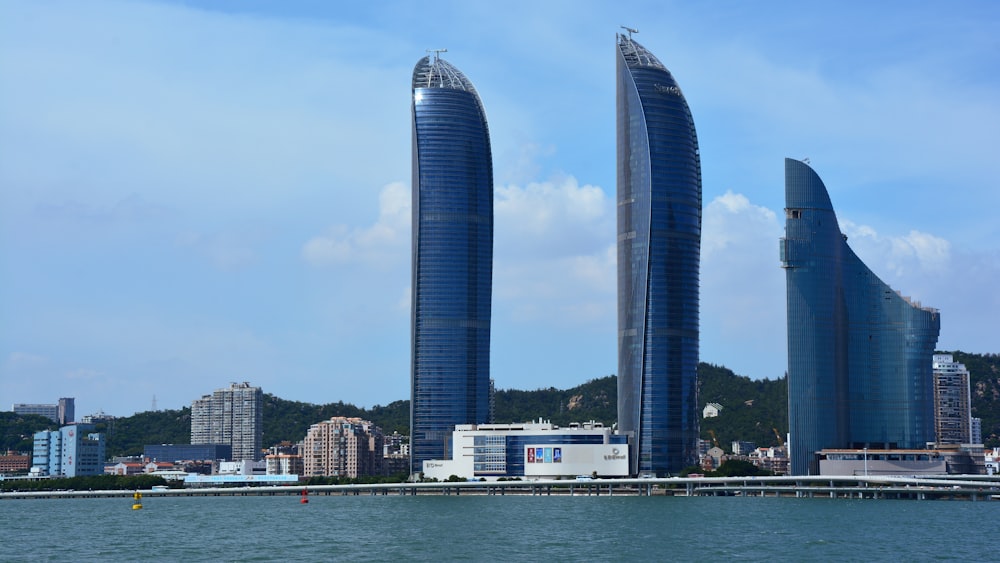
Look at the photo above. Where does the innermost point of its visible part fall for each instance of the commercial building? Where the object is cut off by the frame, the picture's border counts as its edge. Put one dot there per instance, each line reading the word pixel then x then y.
pixel 232 416
pixel 534 450
pixel 859 353
pixel 68 452
pixel 62 413
pixel 12 462
pixel 937 461
pixel 187 452
pixel 452 258
pixel 659 250
pixel 952 401
pixel 342 447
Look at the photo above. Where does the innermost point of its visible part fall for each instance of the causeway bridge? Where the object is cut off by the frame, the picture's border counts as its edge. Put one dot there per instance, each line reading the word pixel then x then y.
pixel 938 487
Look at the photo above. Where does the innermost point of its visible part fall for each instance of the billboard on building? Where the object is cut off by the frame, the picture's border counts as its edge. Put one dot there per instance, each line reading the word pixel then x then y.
pixel 607 460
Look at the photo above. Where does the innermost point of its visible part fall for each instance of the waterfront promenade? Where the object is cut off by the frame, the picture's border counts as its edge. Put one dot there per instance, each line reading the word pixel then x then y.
pixel 964 487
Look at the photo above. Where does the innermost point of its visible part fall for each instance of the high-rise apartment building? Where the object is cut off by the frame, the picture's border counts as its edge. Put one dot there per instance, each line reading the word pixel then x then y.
pixel 452 258
pixel 232 417
pixel 342 447
pixel 952 401
pixel 659 251
pixel 859 353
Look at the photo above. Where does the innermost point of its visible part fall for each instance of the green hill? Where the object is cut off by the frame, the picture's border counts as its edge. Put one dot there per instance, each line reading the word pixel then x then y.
pixel 752 411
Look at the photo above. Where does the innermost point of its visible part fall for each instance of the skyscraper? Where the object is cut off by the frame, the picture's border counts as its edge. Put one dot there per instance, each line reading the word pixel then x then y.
pixel 859 353
pixel 659 249
pixel 232 417
pixel 452 259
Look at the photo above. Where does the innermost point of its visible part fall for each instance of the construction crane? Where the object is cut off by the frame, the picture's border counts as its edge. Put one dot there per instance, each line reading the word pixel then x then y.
pixel 781 441
pixel 714 439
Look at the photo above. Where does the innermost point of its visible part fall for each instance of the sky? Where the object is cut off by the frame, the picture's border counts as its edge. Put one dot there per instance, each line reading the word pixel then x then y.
pixel 198 193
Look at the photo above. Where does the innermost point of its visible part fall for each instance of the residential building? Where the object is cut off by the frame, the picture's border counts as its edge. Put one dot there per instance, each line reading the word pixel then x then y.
pixel 711 410
pixel 97 417
pixel 742 447
pixel 452 258
pixel 125 468
pixel 232 416
pixel 534 450
pixel 342 447
pixel 69 451
pixel 859 353
pixel 659 250
pixel 977 430
pixel 773 459
pixel 952 401
pixel 284 464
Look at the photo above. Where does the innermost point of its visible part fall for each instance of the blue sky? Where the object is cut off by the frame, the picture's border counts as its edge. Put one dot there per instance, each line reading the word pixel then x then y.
pixel 194 193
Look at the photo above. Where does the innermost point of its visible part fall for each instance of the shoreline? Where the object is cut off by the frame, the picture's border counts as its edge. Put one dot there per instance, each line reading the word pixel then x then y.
pixel 958 487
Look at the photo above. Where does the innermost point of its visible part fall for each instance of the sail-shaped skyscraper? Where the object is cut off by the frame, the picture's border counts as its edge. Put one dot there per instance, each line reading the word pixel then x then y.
pixel 659 252
pixel 859 354
pixel 452 259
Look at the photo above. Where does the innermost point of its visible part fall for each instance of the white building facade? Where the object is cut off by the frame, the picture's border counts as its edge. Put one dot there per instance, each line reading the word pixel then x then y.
pixel 534 450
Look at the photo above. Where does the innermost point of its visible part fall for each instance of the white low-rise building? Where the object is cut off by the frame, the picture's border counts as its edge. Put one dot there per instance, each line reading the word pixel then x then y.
pixel 534 450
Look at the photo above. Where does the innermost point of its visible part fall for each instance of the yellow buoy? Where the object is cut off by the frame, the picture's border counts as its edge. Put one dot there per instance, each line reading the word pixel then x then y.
pixel 138 501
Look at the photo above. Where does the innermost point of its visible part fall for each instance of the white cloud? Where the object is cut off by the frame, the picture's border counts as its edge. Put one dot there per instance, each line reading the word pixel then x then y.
pixel 553 265
pixel 742 287
pixel 379 244
pixel 549 208
pixel 899 255
pixel 730 219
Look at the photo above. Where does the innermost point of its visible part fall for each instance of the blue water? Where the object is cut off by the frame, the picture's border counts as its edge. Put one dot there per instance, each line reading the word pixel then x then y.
pixel 495 528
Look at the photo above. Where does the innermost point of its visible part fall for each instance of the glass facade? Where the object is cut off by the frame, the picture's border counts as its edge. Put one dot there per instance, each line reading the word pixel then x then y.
pixel 659 251
pixel 859 353
pixel 452 259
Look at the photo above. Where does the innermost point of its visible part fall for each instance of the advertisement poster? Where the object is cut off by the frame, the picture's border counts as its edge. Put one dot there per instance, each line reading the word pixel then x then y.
pixel 531 455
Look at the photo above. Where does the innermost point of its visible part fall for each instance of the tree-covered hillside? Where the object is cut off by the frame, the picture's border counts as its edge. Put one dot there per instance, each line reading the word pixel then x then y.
pixel 16 431
pixel 752 410
pixel 595 400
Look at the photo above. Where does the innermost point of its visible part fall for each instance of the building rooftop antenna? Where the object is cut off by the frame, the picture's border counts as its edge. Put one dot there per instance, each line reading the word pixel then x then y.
pixel 630 31
pixel 437 53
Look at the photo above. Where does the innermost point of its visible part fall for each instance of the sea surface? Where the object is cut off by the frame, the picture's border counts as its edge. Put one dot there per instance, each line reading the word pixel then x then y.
pixel 497 528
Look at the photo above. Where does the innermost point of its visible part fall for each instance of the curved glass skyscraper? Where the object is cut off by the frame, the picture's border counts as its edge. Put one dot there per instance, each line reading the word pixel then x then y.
pixel 659 250
pixel 452 259
pixel 859 354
